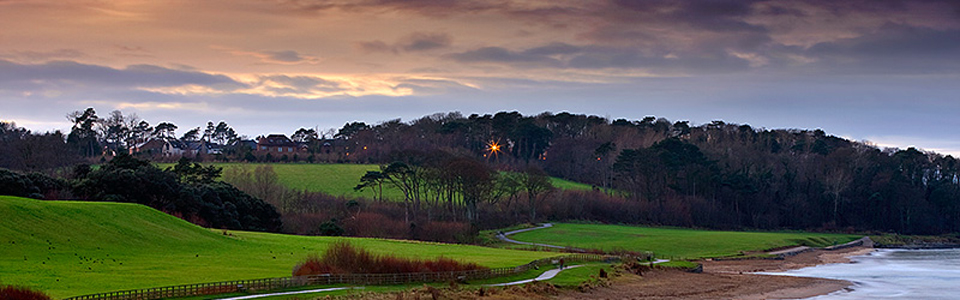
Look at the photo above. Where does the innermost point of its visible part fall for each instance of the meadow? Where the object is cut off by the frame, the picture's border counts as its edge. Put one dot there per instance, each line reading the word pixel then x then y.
pixel 339 179
pixel 69 248
pixel 675 243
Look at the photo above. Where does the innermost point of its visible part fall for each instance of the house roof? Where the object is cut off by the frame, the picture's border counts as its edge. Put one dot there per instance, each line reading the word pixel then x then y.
pixel 275 140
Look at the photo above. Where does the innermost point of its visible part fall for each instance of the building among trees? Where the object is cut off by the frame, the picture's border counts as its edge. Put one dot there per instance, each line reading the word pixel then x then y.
pixel 277 143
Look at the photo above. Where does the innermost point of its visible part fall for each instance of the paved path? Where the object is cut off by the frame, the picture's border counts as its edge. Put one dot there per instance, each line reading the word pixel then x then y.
pixel 545 276
pixel 503 237
pixel 549 274
pixel 291 293
pixel 791 251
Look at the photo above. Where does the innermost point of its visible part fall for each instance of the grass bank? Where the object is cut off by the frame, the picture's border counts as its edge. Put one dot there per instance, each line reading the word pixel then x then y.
pixel 673 242
pixel 339 179
pixel 68 248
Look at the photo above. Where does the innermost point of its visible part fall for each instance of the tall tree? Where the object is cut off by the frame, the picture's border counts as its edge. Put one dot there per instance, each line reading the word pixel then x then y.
pixel 536 183
pixel 209 132
pixel 224 134
pixel 165 131
pixel 304 135
pixel 83 135
pixel 350 129
pixel 140 133
pixel 372 180
pixel 191 135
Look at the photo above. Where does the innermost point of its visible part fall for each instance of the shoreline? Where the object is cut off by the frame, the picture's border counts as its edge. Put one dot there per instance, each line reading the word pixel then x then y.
pixel 730 279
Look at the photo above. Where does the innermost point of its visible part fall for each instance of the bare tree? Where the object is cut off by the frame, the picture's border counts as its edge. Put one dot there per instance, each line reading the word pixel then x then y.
pixel 536 183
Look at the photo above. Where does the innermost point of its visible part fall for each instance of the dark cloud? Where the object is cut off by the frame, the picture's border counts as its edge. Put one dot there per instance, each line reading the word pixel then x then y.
pixel 719 16
pixel 778 10
pixel 894 40
pixel 732 36
pixel 672 35
pixel 565 56
pixel 375 46
pixel 285 56
pixel 556 48
pixel 414 42
pixel 422 41
pixel 66 73
pixel 893 48
pixel 426 7
pixel 498 55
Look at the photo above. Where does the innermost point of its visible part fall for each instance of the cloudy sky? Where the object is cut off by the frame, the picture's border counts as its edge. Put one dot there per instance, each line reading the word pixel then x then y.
pixel 883 71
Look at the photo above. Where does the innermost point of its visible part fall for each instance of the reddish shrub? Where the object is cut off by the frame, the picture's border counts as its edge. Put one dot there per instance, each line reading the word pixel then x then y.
pixel 373 224
pixel 20 293
pixel 344 258
pixel 439 231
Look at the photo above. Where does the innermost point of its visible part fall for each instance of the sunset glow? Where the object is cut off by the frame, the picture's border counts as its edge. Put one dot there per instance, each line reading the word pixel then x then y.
pixel 848 67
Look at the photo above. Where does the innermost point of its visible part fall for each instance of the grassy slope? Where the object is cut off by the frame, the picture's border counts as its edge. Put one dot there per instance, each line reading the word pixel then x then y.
pixel 98 247
pixel 339 179
pixel 674 243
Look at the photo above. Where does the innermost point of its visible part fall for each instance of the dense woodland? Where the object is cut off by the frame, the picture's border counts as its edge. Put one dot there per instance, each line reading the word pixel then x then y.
pixel 714 175
pixel 648 171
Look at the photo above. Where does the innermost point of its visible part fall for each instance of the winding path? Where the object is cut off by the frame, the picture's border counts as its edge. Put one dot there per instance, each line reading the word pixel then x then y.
pixel 545 276
pixel 291 293
pixel 503 237
pixel 549 274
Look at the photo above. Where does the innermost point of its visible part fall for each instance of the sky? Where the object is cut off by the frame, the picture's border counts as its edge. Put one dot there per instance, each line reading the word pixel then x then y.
pixel 887 72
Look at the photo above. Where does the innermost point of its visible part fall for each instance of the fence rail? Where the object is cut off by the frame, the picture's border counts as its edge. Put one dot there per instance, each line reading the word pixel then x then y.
pixel 256 285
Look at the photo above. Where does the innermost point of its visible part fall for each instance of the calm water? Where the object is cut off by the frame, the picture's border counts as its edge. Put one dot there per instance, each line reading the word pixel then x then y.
pixel 894 274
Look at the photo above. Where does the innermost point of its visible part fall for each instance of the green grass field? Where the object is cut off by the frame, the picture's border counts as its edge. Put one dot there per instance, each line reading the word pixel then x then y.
pixel 68 248
pixel 339 179
pixel 674 243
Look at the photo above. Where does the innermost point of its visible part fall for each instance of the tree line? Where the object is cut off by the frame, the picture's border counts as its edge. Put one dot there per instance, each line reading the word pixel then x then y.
pixel 116 131
pixel 715 175
pixel 187 190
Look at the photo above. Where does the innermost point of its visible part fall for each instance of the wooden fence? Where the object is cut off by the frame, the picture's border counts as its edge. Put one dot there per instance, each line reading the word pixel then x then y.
pixel 258 285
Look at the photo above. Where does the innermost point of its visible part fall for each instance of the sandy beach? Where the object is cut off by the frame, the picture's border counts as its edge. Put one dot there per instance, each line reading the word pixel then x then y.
pixel 729 280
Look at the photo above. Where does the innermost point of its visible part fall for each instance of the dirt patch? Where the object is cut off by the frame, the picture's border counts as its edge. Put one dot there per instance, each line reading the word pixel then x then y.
pixel 674 284
pixel 802 260
pixel 720 280
pixel 535 291
pixel 728 280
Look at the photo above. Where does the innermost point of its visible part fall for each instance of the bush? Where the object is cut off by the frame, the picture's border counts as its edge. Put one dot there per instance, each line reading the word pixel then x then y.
pixel 344 258
pixel 191 191
pixel 8 292
pixel 330 228
pixel 15 184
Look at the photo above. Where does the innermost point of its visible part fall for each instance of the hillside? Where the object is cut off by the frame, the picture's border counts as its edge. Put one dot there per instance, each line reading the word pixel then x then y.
pixel 339 179
pixel 675 242
pixel 68 248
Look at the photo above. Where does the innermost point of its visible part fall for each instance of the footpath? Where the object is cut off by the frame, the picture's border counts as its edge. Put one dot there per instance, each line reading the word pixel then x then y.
pixel 549 274
pixel 503 236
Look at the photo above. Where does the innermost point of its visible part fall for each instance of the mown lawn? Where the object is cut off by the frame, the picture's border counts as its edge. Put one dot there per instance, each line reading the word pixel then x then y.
pixel 68 248
pixel 674 243
pixel 339 179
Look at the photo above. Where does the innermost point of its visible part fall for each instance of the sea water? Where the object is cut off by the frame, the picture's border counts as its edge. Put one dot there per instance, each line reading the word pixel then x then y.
pixel 893 274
